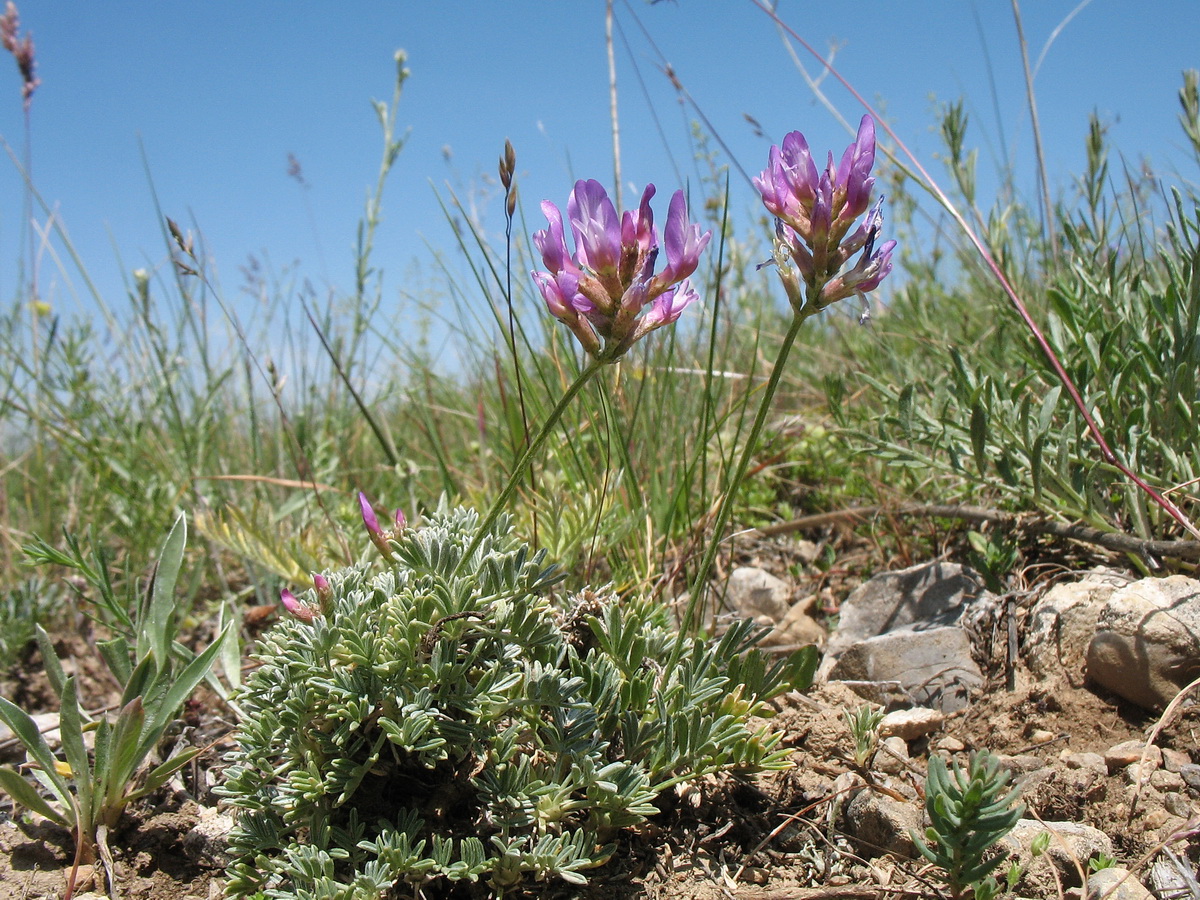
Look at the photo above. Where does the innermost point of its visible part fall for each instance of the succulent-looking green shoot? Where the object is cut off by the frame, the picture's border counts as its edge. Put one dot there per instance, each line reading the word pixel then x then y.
pixel 814 214
pixel 969 810
pixel 607 293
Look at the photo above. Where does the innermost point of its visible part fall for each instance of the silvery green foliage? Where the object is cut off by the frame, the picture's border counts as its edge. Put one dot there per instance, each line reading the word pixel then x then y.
pixel 440 726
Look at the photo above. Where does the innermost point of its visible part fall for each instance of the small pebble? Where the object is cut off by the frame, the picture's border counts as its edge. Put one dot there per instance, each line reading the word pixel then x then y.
pixel 1092 761
pixel 755 875
pixel 1177 804
pixel 1191 774
pixel 892 755
pixel 1166 781
pixel 1126 752
pixel 1115 883
pixel 911 724
pixel 1174 760
pixel 1041 736
pixel 951 745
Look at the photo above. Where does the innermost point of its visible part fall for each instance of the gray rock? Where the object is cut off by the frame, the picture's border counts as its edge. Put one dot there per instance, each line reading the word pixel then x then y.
pixel 879 824
pixel 934 667
pixel 1191 774
pixel 752 593
pixel 892 756
pixel 1147 641
pixel 925 596
pixel 1071 844
pixel 207 843
pixel 1062 623
pixel 1116 883
pixel 1128 753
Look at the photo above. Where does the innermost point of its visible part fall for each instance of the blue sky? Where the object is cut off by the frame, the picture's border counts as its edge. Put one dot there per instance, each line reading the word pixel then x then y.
pixel 220 93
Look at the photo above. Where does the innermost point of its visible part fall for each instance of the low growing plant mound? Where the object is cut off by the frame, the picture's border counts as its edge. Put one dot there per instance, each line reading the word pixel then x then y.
pixel 440 719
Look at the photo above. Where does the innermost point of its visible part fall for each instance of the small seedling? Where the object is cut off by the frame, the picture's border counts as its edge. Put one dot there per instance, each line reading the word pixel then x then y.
pixel 969 811
pixel 863 723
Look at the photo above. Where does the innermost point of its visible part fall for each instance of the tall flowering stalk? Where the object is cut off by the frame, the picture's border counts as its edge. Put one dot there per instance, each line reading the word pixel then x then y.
pixel 606 292
pixel 821 258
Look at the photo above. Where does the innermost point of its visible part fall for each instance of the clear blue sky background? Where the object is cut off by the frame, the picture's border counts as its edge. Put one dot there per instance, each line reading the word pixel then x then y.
pixel 219 93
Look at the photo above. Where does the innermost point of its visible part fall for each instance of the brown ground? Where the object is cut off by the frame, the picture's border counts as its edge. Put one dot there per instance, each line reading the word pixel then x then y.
pixel 761 838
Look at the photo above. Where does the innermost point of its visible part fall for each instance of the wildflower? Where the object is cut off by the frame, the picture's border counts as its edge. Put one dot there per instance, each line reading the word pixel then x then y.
pixel 21 50
pixel 815 212
pixel 293 605
pixel 607 293
pixel 378 536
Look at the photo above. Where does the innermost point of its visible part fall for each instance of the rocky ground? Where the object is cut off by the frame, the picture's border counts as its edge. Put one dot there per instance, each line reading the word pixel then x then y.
pixel 1074 683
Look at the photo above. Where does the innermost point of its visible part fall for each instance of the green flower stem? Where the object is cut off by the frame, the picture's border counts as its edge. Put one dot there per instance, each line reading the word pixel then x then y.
pixel 518 473
pixel 725 510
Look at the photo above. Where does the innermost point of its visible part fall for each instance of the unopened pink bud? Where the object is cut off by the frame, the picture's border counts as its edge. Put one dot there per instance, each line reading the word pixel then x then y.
pixel 295 607
pixel 324 591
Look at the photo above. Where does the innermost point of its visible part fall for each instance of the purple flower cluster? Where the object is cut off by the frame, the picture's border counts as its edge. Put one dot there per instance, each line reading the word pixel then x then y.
pixel 607 293
pixel 814 213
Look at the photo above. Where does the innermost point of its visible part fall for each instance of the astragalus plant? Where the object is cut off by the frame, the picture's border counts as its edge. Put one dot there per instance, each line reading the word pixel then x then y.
pixel 435 717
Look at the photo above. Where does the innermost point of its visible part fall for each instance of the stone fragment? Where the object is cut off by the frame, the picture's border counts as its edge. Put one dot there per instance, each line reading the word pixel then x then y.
pixel 1070 843
pixel 879 824
pixel 1147 640
pixel 892 755
pixel 1177 804
pixel 1091 761
pixel 1174 760
pixel 950 744
pixel 922 596
pixel 1062 622
pixel 1127 753
pixel 798 627
pixel 911 724
pixel 934 667
pixel 1191 775
pixel 207 843
pixel 1116 883
pixel 753 592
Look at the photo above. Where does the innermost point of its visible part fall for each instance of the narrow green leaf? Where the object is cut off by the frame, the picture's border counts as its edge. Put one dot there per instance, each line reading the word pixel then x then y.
pixel 25 794
pixel 180 690
pixel 979 430
pixel 158 776
pixel 158 626
pixel 70 729
pixel 50 660
pixel 116 655
pixel 35 745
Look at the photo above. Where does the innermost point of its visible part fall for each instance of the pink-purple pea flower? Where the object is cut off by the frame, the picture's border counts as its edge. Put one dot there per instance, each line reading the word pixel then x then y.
pixel 815 212
pixel 607 293
pixel 377 535
pixel 292 604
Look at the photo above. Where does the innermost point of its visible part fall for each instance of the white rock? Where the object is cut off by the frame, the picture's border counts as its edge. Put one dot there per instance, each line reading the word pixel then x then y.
pixel 755 592
pixel 911 724
pixel 1116 883
pixel 1147 641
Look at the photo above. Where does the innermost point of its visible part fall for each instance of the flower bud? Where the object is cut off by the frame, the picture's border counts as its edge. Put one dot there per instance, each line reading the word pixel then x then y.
pixel 295 607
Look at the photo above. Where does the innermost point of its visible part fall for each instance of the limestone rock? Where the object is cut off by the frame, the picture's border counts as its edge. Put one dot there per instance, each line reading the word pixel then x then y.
pixel 1070 843
pixel 1062 623
pixel 207 843
pixel 1147 641
pixel 879 824
pixel 1116 883
pixel 924 596
pixel 798 628
pixel 934 667
pixel 753 593
pixel 911 724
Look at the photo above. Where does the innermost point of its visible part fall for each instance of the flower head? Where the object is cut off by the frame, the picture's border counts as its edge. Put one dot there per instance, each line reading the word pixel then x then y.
pixel 607 292
pixel 300 610
pixel 815 212
pixel 377 535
